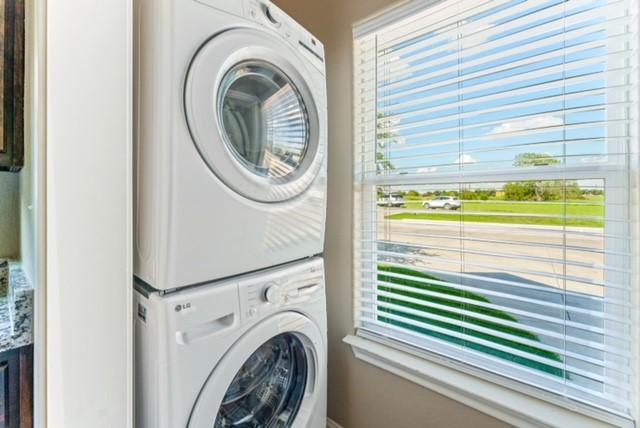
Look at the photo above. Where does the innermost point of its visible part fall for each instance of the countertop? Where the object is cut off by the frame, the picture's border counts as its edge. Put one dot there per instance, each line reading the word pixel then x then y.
pixel 16 311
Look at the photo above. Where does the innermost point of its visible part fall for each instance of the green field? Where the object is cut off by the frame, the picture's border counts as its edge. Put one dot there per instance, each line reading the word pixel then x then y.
pixel 591 211
pixel 445 300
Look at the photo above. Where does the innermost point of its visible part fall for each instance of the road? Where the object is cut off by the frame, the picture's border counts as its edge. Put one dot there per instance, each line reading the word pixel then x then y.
pixel 543 255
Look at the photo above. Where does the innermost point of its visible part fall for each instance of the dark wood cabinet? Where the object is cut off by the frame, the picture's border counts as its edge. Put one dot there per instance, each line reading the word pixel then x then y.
pixel 12 85
pixel 16 388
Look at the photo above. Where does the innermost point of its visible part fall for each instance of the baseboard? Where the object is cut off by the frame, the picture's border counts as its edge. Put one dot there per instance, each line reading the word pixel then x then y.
pixel 332 424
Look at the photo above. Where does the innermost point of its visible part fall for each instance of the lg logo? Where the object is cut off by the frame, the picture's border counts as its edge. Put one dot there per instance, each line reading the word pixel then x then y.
pixel 183 306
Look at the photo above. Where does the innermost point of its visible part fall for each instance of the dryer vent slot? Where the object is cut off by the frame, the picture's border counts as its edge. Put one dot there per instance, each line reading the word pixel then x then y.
pixel 205 330
pixel 310 50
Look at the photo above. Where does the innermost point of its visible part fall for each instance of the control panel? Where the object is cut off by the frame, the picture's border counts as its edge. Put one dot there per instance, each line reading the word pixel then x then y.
pixel 268 14
pixel 266 293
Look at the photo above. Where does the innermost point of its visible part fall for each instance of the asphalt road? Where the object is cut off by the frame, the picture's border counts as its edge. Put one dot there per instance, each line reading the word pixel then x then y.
pixel 525 252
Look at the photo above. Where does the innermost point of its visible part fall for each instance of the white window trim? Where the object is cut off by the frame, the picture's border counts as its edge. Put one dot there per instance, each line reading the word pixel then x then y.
pixel 509 401
pixel 502 398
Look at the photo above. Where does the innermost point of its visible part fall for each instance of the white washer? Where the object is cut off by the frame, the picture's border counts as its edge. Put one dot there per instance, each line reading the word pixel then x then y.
pixel 231 126
pixel 246 352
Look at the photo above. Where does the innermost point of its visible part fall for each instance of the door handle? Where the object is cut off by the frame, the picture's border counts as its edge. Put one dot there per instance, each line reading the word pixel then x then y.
pixel 206 329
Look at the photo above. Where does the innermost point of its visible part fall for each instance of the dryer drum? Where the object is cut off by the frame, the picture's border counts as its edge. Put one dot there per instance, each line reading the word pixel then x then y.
pixel 268 389
pixel 264 120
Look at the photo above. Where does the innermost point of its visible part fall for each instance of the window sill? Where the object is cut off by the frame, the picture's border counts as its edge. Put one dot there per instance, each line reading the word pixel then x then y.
pixel 507 404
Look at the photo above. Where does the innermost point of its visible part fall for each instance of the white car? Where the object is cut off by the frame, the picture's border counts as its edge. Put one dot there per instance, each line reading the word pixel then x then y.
pixel 391 201
pixel 446 202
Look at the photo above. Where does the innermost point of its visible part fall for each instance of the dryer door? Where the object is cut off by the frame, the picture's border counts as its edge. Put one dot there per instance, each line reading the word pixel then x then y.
pixel 253 116
pixel 272 378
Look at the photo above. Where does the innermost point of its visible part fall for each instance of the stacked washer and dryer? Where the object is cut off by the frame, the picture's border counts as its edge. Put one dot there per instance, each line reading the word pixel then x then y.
pixel 231 134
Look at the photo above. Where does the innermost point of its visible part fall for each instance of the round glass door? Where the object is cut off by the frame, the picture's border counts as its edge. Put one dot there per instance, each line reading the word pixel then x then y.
pixel 263 119
pixel 269 387
pixel 256 112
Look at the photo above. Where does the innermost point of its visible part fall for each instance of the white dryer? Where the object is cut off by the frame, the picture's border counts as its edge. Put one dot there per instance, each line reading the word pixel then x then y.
pixel 245 353
pixel 231 134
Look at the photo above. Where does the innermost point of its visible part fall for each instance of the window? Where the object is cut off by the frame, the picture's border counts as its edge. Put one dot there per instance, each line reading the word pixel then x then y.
pixel 508 130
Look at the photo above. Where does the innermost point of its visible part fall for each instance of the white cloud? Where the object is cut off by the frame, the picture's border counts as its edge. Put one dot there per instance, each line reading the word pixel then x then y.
pixel 465 159
pixel 474 35
pixel 523 125
pixel 427 170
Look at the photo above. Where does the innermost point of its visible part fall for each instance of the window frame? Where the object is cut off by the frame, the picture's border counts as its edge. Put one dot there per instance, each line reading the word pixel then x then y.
pixel 507 399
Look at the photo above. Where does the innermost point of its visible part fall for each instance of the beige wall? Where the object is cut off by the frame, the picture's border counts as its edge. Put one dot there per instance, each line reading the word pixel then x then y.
pixel 360 395
pixel 9 215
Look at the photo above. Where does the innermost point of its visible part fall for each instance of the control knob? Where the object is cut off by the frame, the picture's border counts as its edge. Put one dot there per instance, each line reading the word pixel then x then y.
pixel 271 293
pixel 273 15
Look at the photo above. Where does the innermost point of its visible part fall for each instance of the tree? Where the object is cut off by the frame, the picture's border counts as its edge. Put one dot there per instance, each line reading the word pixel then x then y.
pixel 549 190
pixel 383 138
pixel 477 195
pixel 412 194
pixel 519 191
pixel 382 164
pixel 572 190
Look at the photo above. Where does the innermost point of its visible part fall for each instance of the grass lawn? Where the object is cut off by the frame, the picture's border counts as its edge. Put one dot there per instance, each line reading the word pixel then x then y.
pixel 477 210
pixel 479 218
pixel 444 300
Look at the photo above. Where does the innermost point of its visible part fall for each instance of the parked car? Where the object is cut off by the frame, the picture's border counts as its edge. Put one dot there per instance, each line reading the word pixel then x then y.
pixel 391 201
pixel 446 202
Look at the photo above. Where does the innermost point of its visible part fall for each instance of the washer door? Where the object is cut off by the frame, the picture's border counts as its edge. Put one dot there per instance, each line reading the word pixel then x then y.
pixel 252 115
pixel 270 378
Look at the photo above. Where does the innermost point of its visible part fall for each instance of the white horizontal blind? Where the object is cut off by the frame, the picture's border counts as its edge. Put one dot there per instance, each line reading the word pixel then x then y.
pixel 496 177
